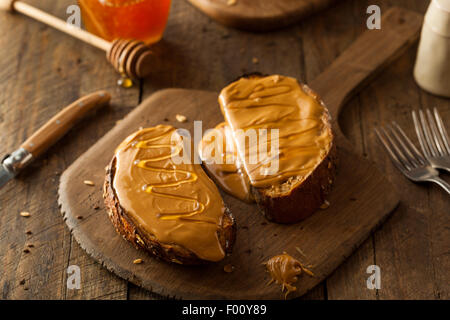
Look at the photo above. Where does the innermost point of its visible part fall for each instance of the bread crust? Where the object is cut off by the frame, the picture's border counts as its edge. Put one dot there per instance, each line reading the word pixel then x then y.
pixel 303 200
pixel 308 196
pixel 126 227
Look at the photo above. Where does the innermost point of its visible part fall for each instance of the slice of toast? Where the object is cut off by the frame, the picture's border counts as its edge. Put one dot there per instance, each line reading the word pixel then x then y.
pixel 219 158
pixel 170 209
pixel 306 158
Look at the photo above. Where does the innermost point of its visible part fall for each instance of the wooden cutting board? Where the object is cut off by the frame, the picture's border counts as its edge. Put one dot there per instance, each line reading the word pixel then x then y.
pixel 260 15
pixel 361 198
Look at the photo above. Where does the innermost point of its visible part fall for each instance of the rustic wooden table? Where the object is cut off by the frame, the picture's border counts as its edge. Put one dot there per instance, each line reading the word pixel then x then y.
pixel 43 70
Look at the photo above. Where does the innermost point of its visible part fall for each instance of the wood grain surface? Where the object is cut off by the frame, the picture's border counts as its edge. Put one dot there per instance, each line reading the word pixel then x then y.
pixel 260 15
pixel 43 70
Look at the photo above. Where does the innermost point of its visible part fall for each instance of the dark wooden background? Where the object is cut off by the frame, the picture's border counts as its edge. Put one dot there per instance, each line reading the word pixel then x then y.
pixel 42 70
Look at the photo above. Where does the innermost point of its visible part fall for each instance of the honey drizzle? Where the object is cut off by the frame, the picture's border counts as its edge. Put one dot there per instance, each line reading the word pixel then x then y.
pixel 235 97
pixel 190 177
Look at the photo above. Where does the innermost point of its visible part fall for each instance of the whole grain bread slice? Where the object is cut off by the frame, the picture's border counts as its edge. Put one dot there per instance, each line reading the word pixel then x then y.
pixel 295 199
pixel 170 252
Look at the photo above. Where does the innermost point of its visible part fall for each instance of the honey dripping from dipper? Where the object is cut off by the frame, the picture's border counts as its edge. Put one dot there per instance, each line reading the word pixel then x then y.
pixel 124 81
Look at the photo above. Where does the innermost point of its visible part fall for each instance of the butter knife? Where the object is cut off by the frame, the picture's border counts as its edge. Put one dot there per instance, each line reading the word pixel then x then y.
pixel 50 133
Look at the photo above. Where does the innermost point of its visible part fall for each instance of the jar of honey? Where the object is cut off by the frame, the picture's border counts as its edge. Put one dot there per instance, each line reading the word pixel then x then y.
pixel 143 20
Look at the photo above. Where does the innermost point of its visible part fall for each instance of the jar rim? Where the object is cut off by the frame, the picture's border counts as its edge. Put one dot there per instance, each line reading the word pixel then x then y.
pixel 119 3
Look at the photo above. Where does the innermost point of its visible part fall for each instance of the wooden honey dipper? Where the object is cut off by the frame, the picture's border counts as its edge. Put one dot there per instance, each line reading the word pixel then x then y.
pixel 129 57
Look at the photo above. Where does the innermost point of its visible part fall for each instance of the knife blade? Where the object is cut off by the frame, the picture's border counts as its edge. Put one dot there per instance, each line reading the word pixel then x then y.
pixel 49 133
pixel 5 175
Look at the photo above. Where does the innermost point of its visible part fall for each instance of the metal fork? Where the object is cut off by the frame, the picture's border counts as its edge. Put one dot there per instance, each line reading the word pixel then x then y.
pixel 433 138
pixel 407 158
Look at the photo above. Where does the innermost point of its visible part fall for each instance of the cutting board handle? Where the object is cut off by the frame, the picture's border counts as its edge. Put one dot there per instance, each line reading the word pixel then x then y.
pixel 368 55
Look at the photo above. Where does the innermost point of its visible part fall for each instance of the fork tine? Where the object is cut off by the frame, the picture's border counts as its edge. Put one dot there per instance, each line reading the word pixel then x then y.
pixel 420 136
pixel 393 150
pixel 391 153
pixel 426 131
pixel 407 145
pixel 437 138
pixel 403 149
pixel 390 135
pixel 442 130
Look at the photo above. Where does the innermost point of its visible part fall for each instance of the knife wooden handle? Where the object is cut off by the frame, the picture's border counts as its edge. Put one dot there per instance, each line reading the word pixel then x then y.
pixel 61 123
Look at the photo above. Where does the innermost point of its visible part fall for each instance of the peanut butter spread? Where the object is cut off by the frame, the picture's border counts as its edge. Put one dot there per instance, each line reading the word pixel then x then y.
pixel 304 135
pixel 285 270
pixel 176 203
pixel 221 161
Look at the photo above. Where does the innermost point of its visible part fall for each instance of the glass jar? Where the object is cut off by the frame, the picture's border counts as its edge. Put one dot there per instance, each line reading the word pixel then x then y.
pixel 126 19
pixel 432 62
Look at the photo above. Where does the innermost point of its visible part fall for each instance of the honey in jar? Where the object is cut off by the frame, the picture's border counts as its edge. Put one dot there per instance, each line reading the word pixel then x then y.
pixel 126 19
